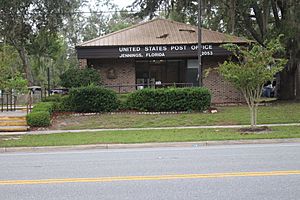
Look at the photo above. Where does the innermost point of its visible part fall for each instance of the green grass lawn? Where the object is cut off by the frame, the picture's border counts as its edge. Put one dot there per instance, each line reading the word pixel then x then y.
pixel 230 115
pixel 124 137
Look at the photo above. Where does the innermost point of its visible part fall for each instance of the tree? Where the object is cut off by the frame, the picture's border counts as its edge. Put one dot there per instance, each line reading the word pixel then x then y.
pixel 5 62
pixel 120 20
pixel 16 83
pixel 95 25
pixel 183 11
pixel 22 20
pixel 48 51
pixel 80 77
pixel 266 19
pixel 254 67
pixel 10 76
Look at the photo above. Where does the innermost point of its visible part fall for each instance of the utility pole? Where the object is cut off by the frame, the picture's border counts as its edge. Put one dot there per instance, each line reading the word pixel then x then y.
pixel 199 45
pixel 48 76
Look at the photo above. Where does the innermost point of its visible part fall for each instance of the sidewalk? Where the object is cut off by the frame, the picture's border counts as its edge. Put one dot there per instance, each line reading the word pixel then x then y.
pixel 135 129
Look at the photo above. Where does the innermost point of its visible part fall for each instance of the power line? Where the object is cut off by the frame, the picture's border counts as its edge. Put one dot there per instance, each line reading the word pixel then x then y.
pixel 99 12
pixel 89 12
pixel 81 12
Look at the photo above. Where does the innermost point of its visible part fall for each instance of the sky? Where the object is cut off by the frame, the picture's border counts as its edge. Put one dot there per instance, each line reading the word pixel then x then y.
pixel 120 3
pixel 123 3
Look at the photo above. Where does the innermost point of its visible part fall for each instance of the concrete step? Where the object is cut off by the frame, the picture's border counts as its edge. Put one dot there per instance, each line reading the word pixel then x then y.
pixel 13 128
pixel 19 107
pixel 12 118
pixel 13 123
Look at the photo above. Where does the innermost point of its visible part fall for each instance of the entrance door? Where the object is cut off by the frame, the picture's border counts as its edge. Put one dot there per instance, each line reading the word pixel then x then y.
pixel 192 76
pixel 192 72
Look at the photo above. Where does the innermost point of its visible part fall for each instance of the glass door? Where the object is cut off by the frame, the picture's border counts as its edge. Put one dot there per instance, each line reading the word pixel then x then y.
pixel 192 72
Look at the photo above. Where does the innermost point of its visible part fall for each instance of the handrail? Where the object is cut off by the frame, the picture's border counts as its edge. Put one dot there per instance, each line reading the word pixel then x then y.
pixel 8 101
pixel 152 85
pixel 29 102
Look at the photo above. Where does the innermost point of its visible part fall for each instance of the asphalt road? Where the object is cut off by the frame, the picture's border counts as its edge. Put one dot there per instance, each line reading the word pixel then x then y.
pixel 218 172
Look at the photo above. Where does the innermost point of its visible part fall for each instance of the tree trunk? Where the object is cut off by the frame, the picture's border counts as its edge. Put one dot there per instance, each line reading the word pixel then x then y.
pixel 252 116
pixel 24 57
pixel 286 89
pixel 232 18
pixel 255 114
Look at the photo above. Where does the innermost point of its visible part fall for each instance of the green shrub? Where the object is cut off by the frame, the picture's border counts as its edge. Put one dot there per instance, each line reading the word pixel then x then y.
pixel 170 99
pixel 60 102
pixel 64 105
pixel 41 114
pixel 80 77
pixel 44 106
pixel 122 101
pixel 53 98
pixel 39 119
pixel 92 99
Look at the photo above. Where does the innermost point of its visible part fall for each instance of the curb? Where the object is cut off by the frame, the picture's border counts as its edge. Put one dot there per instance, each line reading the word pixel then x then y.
pixel 147 145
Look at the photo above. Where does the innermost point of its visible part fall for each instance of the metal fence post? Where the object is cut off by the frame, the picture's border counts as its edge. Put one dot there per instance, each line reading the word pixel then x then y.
pixel 2 100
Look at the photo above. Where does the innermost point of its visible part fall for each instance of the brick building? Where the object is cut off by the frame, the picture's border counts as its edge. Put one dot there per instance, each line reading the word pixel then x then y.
pixel 160 53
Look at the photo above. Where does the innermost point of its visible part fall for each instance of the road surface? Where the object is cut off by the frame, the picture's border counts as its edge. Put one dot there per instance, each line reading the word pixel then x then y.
pixel 217 172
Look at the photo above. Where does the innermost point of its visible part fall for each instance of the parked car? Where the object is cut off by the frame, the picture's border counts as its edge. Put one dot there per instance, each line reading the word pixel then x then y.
pixel 59 91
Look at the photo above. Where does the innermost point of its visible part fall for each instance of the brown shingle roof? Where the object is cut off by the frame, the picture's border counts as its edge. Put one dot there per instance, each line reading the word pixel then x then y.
pixel 161 32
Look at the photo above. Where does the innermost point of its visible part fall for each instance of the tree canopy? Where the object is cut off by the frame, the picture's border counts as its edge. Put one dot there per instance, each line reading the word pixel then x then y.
pixel 10 77
pixel 255 66
pixel 22 21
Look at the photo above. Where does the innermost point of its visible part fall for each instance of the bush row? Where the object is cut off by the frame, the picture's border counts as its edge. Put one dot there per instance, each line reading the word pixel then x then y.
pixel 60 102
pixel 41 114
pixel 170 99
pixel 99 99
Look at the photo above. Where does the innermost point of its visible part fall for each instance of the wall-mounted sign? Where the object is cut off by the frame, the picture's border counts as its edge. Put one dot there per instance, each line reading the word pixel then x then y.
pixel 150 51
pixel 111 73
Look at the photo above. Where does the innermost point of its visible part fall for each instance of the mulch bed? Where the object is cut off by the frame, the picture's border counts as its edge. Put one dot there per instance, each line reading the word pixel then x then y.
pixel 255 130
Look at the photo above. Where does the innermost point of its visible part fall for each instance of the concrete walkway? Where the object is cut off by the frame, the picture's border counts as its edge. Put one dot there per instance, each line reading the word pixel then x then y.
pixel 137 129
pixel 13 121
pixel 17 113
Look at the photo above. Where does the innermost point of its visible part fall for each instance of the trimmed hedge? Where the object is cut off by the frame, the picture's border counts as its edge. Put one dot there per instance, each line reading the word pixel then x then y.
pixel 64 105
pixel 53 98
pixel 44 106
pixel 39 119
pixel 122 101
pixel 170 99
pixel 41 114
pixel 92 99
pixel 60 102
